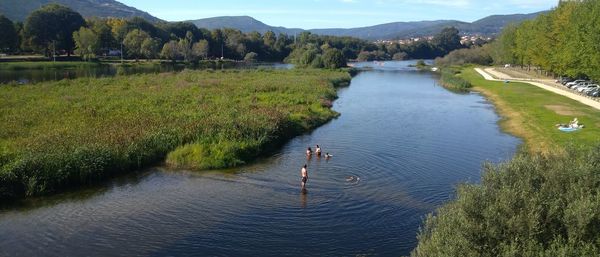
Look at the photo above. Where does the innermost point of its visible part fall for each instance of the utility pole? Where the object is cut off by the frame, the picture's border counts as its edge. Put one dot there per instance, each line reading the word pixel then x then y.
pixel 54 50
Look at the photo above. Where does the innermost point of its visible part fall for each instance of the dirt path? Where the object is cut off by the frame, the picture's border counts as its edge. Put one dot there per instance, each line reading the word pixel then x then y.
pixel 494 75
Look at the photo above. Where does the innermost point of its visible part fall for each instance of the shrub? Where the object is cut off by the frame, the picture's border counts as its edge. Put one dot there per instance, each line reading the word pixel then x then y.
pixel 451 79
pixel 533 205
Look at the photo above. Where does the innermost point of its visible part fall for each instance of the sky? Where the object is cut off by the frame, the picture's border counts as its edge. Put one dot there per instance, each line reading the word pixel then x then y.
pixel 310 14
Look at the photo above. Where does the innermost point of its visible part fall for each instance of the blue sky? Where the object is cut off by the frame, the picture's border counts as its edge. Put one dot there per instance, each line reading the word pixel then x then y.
pixel 310 14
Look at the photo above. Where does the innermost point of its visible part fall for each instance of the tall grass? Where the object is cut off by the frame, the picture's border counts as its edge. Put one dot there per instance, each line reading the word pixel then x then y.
pixel 450 79
pixel 77 132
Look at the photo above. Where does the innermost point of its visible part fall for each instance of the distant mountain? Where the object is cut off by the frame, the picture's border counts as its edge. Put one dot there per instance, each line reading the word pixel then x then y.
pixel 244 23
pixel 487 26
pixel 18 10
pixel 385 31
pixel 495 23
pixel 490 25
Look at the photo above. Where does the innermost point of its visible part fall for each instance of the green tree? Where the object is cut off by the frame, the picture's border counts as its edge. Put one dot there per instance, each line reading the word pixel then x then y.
pixel 9 39
pixel 53 26
pixel 200 49
pixel 447 40
pixel 170 51
pixel 133 42
pixel 251 57
pixel 150 47
pixel 104 32
pixel 400 56
pixel 504 46
pixel 87 43
pixel 523 43
pixel 333 59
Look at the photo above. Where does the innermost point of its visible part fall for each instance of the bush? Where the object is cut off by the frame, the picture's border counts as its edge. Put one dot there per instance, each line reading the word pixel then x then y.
pixel 475 55
pixel 450 79
pixel 533 205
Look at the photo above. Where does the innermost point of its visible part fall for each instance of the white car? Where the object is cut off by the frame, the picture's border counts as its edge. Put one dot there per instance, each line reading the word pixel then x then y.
pixel 573 83
pixel 580 85
pixel 588 88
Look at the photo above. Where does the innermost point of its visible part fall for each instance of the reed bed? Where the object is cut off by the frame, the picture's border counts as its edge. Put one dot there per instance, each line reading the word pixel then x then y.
pixel 77 132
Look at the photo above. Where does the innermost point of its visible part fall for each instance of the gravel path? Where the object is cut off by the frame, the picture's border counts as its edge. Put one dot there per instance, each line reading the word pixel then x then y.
pixel 494 75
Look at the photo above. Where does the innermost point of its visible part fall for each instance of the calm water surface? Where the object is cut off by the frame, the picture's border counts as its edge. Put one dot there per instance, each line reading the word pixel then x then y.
pixel 28 76
pixel 400 147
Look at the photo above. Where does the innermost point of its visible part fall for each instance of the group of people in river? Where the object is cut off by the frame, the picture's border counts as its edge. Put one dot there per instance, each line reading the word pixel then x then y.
pixel 309 153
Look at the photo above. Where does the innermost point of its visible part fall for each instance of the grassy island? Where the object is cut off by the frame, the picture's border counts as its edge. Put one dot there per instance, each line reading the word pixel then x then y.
pixel 77 132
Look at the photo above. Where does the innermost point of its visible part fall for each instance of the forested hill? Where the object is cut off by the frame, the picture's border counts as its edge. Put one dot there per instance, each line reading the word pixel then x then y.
pixel 244 23
pixel 18 10
pixel 386 31
pixel 490 25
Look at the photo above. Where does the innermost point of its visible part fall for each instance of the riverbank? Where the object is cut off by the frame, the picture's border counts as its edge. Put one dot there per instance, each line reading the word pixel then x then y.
pixel 68 133
pixel 542 201
pixel 531 113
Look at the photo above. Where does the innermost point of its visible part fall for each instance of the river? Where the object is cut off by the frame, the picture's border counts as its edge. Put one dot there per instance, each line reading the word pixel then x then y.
pixel 400 147
pixel 30 76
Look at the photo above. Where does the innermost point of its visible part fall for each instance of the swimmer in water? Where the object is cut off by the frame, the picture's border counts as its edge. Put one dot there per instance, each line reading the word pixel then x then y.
pixel 308 152
pixel 328 156
pixel 304 174
pixel 318 151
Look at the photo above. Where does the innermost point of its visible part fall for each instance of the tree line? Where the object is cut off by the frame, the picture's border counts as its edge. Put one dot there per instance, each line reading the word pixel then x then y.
pixel 565 41
pixel 56 29
pixel 562 42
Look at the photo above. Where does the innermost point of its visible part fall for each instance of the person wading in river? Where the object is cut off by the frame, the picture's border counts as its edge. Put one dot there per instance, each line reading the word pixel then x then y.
pixel 304 174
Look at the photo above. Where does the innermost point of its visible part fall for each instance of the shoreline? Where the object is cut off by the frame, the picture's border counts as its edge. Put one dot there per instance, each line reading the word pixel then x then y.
pixel 530 113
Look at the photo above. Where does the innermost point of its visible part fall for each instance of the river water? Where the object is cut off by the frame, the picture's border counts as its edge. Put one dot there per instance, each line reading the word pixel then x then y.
pixel 29 76
pixel 399 148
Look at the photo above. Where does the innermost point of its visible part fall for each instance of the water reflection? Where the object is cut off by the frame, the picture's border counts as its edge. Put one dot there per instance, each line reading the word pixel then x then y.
pixel 27 76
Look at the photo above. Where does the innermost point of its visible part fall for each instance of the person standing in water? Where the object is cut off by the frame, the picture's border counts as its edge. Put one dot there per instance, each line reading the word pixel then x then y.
pixel 308 152
pixel 318 151
pixel 304 174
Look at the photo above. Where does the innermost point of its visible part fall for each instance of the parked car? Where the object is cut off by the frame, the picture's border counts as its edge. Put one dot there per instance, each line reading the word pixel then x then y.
pixel 588 88
pixel 564 80
pixel 594 92
pixel 573 83
pixel 581 84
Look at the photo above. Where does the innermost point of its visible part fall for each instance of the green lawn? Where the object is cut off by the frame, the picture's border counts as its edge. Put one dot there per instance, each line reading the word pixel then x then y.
pixel 532 113
pixel 76 132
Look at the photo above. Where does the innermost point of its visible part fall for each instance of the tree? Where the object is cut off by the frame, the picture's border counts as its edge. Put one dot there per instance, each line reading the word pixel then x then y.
pixel 104 32
pixel 504 46
pixel 86 42
pixel 150 48
pixel 9 38
pixel 170 51
pixel 53 26
pixel 447 41
pixel 200 49
pixel 133 42
pixel 400 56
pixel 250 57
pixel 333 59
pixel 118 28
